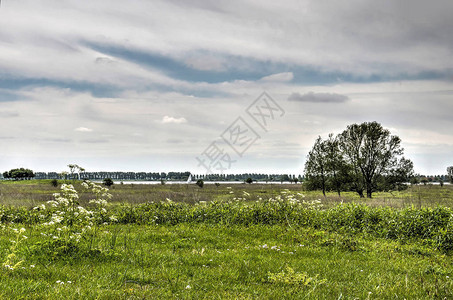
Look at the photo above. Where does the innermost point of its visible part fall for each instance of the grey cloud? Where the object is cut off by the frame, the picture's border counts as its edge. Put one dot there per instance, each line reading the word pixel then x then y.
pixel 175 141
pixel 95 141
pixel 104 60
pixel 319 97
pixel 8 114
pixel 57 140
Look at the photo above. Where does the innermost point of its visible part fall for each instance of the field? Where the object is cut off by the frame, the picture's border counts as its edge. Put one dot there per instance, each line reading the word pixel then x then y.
pixel 227 242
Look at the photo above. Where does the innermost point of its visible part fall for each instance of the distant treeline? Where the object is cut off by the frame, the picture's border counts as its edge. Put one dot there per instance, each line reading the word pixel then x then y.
pixel 183 176
pixel 170 176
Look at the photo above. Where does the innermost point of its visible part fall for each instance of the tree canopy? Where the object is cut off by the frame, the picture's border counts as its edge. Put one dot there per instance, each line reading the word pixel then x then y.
pixel 19 174
pixel 363 158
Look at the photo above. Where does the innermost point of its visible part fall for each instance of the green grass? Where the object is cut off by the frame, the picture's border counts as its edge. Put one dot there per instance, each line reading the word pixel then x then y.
pixel 235 246
pixel 229 262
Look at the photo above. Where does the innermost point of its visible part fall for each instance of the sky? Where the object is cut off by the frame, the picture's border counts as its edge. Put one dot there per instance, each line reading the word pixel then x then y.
pixel 178 85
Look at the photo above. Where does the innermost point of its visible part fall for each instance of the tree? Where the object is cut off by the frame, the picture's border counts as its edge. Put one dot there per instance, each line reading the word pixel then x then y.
pixel 450 173
pixel 316 167
pixel 249 180
pixel 336 167
pixel 108 182
pixel 19 174
pixel 375 156
pixel 414 180
pixel 75 169
pixel 200 183
pixel 363 158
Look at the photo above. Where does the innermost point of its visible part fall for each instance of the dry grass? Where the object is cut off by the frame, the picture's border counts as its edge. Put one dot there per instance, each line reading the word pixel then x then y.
pixel 36 192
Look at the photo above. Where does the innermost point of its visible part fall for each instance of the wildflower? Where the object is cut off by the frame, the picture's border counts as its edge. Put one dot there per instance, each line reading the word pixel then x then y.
pixel 32 266
pixel 188 287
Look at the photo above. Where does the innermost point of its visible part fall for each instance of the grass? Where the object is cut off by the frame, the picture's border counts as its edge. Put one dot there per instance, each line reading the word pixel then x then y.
pixel 214 261
pixel 34 192
pixel 235 246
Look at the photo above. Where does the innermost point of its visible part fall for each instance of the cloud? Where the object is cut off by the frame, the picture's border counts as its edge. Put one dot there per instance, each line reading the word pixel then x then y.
pixel 9 114
pixel 175 141
pixel 280 77
pixel 387 58
pixel 318 97
pixel 168 120
pixel 83 129
pixel 95 141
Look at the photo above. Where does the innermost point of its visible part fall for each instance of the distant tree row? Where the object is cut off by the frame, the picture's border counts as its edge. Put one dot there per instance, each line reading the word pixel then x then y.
pixel 176 176
pixel 364 158
pixel 19 174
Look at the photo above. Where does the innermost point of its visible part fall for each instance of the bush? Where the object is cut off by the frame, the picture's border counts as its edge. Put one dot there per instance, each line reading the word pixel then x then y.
pixel 108 182
pixel 200 183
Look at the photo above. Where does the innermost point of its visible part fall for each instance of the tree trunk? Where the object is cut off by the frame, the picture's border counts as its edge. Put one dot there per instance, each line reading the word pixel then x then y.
pixel 368 193
pixel 361 194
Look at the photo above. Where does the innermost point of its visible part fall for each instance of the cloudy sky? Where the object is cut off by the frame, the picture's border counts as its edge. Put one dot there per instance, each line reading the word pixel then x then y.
pixel 153 85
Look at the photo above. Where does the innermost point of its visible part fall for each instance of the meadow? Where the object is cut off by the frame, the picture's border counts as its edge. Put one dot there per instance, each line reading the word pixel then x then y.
pixel 229 242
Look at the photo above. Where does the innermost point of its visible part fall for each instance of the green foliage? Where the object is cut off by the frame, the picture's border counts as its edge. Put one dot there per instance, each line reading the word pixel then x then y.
pixel 12 261
pixel 54 182
pixel 363 158
pixel 19 174
pixel 249 180
pixel 200 183
pixel 108 182
pixel 433 225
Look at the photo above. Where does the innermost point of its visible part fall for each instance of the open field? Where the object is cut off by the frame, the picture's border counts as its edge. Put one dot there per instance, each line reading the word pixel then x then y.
pixel 286 245
pixel 35 192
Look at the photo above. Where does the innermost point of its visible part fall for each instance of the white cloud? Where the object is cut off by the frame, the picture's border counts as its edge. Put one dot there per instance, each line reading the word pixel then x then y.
pixel 167 120
pixel 83 129
pixel 280 77
pixel 318 97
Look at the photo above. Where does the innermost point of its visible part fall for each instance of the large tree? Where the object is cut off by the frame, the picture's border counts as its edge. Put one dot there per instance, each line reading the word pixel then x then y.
pixel 375 157
pixel 363 158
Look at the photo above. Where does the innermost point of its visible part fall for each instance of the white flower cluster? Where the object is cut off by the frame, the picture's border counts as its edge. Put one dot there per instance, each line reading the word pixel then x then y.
pixel 67 209
pixel 101 193
pixel 297 199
